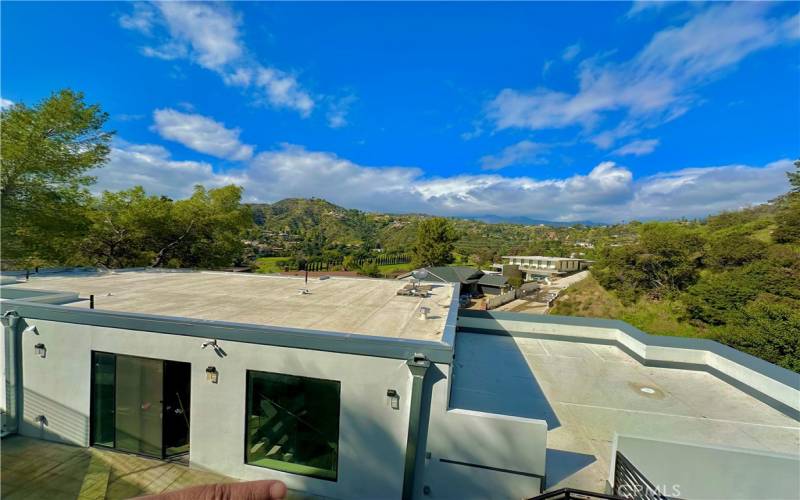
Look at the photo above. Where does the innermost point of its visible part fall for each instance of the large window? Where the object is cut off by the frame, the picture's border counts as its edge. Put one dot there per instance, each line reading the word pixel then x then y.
pixel 293 424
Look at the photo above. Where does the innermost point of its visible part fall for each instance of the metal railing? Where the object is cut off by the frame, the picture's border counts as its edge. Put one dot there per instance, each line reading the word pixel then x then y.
pixel 573 494
pixel 630 483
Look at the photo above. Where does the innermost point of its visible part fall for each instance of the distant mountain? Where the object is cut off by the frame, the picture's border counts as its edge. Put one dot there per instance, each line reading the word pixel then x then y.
pixel 314 218
pixel 314 225
pixel 527 221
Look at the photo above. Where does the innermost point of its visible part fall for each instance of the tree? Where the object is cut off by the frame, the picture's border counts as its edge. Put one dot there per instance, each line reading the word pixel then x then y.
pixel 664 260
pixel 794 178
pixel 126 228
pixel 130 228
pixel 349 263
pixel 47 152
pixel 787 220
pixel 435 242
pixel 770 329
pixel 207 230
pixel 370 268
pixel 733 250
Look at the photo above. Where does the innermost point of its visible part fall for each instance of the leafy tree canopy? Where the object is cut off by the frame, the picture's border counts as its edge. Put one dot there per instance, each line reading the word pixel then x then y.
pixel 47 152
pixel 434 244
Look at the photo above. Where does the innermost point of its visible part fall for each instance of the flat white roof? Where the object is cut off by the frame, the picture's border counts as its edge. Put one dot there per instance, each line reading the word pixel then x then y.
pixel 337 304
pixel 587 392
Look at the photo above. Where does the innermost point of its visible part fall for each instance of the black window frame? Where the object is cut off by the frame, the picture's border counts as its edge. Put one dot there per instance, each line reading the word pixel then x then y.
pixel 247 402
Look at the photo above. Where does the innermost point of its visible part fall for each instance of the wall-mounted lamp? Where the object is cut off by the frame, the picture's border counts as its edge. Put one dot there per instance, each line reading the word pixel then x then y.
pixel 31 329
pixel 394 399
pixel 212 375
pixel 40 350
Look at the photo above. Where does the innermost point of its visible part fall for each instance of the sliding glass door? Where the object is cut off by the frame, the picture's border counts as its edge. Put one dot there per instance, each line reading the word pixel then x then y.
pixel 139 405
pixel 139 399
pixel 102 421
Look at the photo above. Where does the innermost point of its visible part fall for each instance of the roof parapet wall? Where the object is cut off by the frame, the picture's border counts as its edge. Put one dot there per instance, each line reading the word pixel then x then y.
pixel 770 383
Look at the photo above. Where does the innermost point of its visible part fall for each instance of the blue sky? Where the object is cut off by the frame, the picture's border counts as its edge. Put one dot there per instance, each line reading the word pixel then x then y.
pixel 561 111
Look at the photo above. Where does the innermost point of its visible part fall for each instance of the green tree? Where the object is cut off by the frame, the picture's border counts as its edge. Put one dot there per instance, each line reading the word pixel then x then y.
pixel 126 228
pixel 47 152
pixel 794 177
pixel 664 260
pixel 731 250
pixel 349 263
pixel 787 221
pixel 130 228
pixel 434 244
pixel 207 231
pixel 768 328
pixel 370 268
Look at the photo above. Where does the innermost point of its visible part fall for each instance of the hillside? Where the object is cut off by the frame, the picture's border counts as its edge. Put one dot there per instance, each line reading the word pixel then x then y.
pixel 734 278
pixel 318 227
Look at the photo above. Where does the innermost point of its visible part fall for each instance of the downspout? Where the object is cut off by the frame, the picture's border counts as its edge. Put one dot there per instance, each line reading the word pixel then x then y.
pixel 12 361
pixel 418 366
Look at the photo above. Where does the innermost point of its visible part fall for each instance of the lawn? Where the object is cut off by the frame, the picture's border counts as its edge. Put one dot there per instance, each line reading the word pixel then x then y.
pixel 394 268
pixel 270 264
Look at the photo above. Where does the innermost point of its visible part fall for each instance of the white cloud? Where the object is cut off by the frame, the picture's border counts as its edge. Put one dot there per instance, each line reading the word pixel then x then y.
pixel 5 103
pixel 522 153
pixel 141 19
pixel 641 6
pixel 210 31
pixel 152 167
pixel 337 111
pixel 201 133
pixel 637 148
pixel 608 192
pixel 571 52
pixel 208 34
pixel 696 192
pixel 656 85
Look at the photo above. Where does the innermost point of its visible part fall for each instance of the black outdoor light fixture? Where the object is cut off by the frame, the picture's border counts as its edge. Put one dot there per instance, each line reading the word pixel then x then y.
pixel 40 350
pixel 212 375
pixel 394 399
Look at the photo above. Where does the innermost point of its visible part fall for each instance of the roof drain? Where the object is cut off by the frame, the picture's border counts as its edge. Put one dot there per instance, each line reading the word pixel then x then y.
pixel 418 366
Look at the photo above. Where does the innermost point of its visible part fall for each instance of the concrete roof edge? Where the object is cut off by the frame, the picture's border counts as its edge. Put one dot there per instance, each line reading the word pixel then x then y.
pixel 349 343
pixel 775 372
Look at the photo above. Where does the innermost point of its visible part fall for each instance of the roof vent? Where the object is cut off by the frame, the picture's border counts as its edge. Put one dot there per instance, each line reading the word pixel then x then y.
pixel 423 312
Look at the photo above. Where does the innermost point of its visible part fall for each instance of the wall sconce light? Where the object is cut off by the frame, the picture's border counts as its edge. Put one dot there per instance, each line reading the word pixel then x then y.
pixel 212 375
pixel 31 329
pixel 40 350
pixel 394 399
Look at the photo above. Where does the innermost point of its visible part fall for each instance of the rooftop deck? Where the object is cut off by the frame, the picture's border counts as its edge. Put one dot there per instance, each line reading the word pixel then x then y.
pixel 587 392
pixel 337 304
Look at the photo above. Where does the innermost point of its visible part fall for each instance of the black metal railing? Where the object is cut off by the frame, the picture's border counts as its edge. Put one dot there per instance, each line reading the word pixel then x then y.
pixel 573 494
pixel 631 484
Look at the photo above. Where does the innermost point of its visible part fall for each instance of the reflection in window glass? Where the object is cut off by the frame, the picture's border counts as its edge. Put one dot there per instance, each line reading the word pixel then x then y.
pixel 293 423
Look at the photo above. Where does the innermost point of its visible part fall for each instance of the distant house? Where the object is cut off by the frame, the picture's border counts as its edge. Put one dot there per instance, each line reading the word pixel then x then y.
pixel 536 266
pixel 472 280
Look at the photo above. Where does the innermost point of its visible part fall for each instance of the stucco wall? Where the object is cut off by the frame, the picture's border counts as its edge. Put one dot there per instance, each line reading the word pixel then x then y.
pixel 504 454
pixel 372 435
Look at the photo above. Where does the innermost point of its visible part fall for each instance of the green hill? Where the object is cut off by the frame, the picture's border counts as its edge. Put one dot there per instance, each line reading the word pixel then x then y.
pixel 317 227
